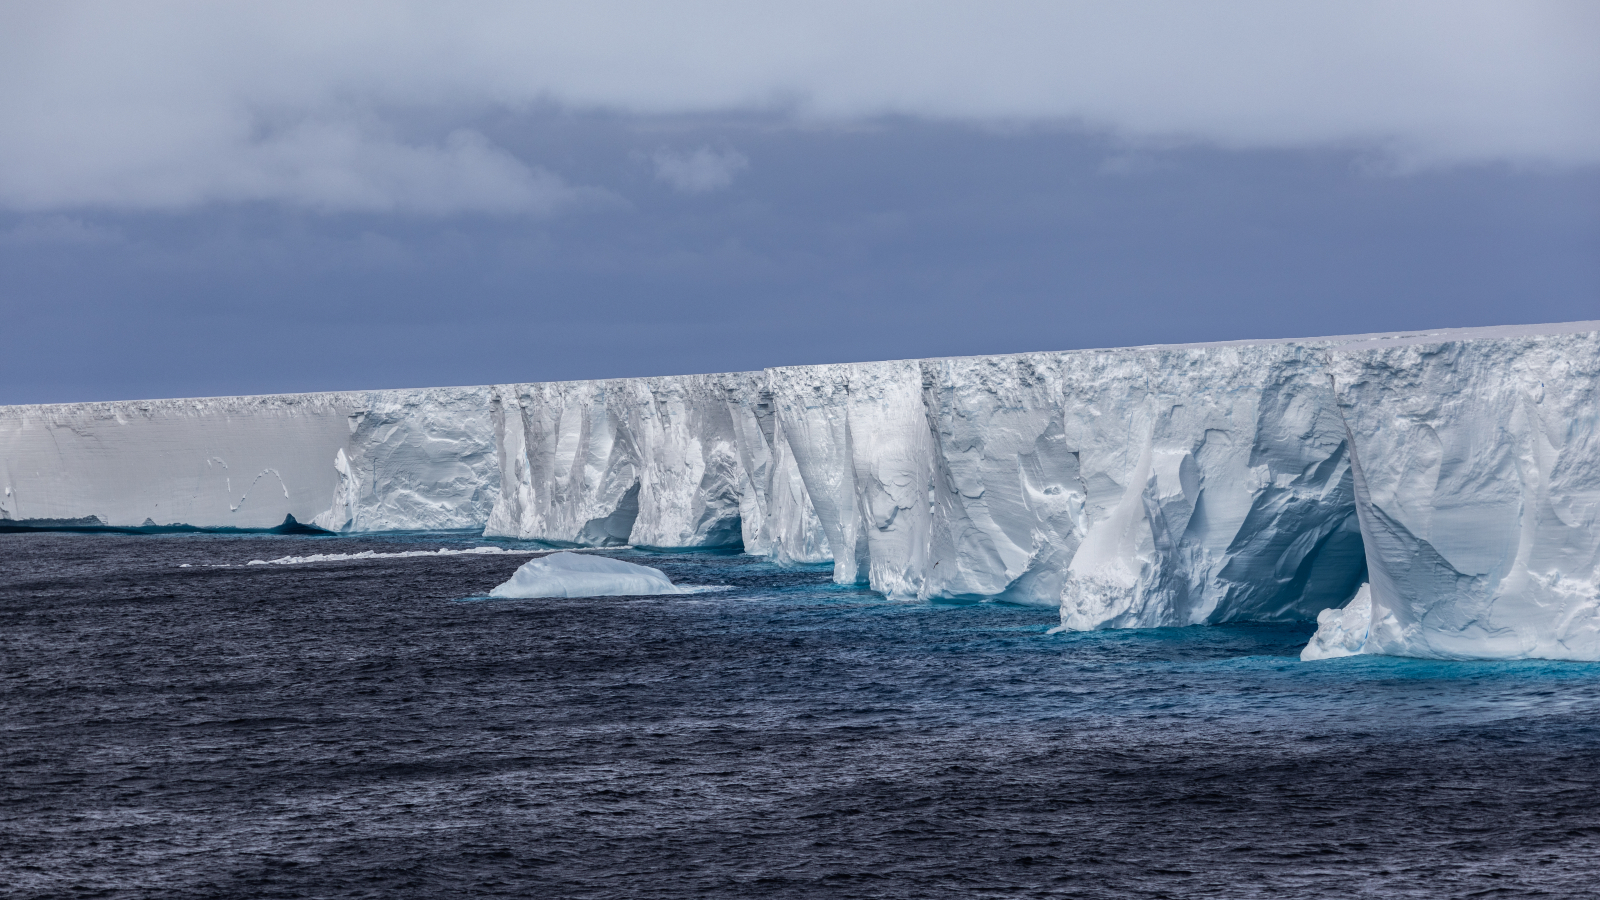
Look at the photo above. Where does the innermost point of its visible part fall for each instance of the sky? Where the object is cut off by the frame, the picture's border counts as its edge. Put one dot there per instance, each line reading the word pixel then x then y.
pixel 216 198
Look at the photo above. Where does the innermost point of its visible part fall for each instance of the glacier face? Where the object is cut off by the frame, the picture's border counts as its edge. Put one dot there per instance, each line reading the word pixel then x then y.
pixel 243 462
pixel 421 460
pixel 352 461
pixel 649 461
pixel 1477 471
pixel 1453 471
pixel 1142 487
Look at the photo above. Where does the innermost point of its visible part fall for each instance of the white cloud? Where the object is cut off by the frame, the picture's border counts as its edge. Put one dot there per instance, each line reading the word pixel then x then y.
pixel 172 104
pixel 703 170
pixel 331 166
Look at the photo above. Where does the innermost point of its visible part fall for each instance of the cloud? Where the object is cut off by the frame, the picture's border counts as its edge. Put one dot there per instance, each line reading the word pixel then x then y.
pixel 56 230
pixel 329 166
pixel 701 171
pixel 175 104
pixel 335 166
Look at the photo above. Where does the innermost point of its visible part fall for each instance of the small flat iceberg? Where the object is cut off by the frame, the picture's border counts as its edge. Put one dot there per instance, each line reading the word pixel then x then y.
pixel 567 574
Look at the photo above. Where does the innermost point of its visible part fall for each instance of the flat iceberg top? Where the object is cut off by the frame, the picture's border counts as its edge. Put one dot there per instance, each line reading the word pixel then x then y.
pixel 569 575
pixel 1336 342
pixel 360 399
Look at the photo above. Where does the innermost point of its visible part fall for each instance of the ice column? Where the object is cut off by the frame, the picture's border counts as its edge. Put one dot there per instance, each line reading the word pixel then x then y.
pixel 775 511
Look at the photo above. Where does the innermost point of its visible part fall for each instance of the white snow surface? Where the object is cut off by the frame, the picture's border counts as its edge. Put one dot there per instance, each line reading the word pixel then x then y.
pixel 567 574
pixel 1456 470
pixel 1342 632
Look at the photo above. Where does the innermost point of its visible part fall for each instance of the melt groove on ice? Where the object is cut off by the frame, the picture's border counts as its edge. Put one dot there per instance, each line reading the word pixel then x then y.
pixel 1453 473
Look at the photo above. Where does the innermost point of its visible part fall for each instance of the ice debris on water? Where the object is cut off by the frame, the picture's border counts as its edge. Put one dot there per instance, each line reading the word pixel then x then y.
pixel 402 554
pixel 1342 632
pixel 568 574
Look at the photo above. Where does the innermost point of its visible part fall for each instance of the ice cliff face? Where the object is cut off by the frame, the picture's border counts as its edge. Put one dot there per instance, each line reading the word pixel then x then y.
pixel 369 461
pixel 1455 471
pixel 1160 486
pixel 648 461
pixel 244 462
pixel 1477 479
pixel 414 461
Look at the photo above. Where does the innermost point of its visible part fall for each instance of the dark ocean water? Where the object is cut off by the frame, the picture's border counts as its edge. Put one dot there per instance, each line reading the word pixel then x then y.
pixel 355 729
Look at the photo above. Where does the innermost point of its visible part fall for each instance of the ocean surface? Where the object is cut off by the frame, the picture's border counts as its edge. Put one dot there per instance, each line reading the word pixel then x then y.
pixel 176 723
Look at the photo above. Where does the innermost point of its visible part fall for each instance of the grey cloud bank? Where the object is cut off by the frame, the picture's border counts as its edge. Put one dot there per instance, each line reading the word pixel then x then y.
pixel 173 105
pixel 901 240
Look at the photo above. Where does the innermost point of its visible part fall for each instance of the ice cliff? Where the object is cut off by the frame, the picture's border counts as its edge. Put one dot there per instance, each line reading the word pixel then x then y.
pixel 1477 481
pixel 373 461
pixel 1455 472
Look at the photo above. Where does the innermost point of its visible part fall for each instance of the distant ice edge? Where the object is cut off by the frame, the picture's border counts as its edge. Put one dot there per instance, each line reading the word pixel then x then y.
pixel 1453 472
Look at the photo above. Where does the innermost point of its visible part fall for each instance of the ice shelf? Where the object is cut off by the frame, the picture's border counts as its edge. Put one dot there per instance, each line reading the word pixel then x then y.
pixel 1455 471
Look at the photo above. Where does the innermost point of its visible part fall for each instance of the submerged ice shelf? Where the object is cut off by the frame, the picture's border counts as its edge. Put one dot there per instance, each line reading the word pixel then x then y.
pixel 1455 472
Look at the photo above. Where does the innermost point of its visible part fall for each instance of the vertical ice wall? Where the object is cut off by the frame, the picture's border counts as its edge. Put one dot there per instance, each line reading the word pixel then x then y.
pixel 1137 487
pixel 860 441
pixel 1218 487
pixel 775 510
pixel 243 462
pixel 354 461
pixel 656 462
pixel 1159 486
pixel 1478 484
pixel 569 470
pixel 1007 489
pixel 810 405
pixel 690 476
pixel 420 460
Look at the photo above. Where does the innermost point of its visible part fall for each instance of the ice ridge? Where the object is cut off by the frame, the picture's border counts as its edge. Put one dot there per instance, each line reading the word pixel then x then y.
pixel 1452 471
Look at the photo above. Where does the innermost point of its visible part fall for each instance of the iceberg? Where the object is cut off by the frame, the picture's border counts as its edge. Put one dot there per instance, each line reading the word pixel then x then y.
pixel 567 574
pixel 1341 632
pixel 652 462
pixel 1452 471
pixel 344 462
pixel 1476 469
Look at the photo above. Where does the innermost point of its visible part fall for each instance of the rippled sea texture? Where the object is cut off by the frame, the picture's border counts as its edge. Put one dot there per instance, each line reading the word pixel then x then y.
pixel 362 729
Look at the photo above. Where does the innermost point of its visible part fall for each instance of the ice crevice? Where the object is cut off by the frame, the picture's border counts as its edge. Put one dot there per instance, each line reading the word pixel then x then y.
pixel 1453 473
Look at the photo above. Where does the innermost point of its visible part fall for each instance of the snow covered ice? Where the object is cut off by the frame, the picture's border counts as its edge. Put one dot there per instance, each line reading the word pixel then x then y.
pixel 568 574
pixel 1342 632
pixel 358 461
pixel 1477 479
pixel 1455 472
